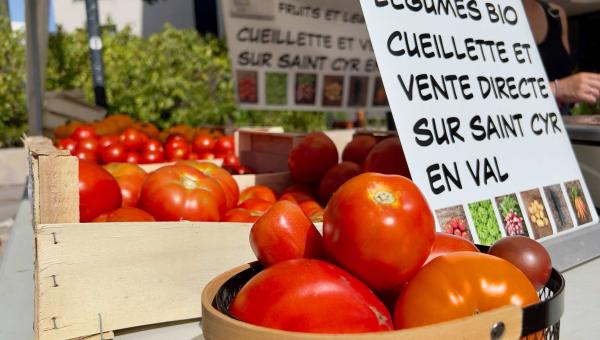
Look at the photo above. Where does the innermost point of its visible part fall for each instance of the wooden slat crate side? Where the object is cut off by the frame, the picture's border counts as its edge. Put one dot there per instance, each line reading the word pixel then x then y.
pixel 131 274
pixel 55 190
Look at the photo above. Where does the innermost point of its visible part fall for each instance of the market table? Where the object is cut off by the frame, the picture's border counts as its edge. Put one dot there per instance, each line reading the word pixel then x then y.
pixel 580 321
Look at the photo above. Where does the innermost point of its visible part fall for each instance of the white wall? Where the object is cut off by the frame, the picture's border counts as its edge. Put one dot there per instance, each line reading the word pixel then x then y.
pixel 144 19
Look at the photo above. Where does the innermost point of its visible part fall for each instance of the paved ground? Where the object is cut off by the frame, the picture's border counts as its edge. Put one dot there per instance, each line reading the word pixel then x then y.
pixel 10 197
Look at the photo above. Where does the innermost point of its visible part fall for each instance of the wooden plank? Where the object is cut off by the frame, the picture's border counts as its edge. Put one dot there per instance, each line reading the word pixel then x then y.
pixel 73 108
pixel 55 190
pixel 131 273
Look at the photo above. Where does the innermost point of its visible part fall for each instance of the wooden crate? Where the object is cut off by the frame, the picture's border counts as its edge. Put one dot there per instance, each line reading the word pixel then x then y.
pixel 101 277
pixel 268 151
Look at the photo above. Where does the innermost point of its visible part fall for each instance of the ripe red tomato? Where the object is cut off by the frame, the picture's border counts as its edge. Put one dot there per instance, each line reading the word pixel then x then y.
pixel 85 155
pixel 258 191
pixel 527 255
pixel 445 243
pixel 114 153
pixel 179 192
pixel 284 233
pixel 312 157
pixel 335 177
pixel 132 139
pixel 357 150
pixel 458 285
pixel 231 160
pixel 88 144
pixel 312 210
pixel 224 146
pixel 106 141
pixel 149 157
pixel 239 215
pixel 176 149
pixel 248 212
pixel 83 132
pixel 310 296
pixel 224 178
pixel 125 215
pixel 256 204
pixel 387 157
pixel 68 144
pixel 203 144
pixel 130 178
pixel 207 156
pixel 298 193
pixel 153 145
pixel 380 228
pixel 98 191
pixel 133 158
pixel 193 156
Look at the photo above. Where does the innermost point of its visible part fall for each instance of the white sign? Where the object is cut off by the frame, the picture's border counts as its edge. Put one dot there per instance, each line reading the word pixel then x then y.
pixel 476 117
pixel 312 55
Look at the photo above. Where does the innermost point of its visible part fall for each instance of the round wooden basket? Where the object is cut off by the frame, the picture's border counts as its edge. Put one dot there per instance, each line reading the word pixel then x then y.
pixel 504 323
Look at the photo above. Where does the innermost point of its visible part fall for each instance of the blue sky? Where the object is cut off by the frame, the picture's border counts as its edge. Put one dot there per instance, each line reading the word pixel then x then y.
pixel 17 12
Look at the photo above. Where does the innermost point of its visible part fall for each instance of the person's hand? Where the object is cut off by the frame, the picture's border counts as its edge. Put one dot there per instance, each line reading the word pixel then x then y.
pixel 580 87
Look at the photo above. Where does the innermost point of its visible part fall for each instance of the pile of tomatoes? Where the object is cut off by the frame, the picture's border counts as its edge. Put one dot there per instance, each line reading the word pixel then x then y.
pixel 379 265
pixel 187 190
pixel 314 161
pixel 136 147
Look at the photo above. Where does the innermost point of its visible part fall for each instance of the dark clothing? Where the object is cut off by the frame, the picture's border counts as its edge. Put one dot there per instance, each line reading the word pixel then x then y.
pixel 557 61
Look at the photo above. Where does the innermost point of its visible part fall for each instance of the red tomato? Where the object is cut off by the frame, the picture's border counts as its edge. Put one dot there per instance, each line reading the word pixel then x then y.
pixel 83 132
pixel 258 191
pixel 298 193
pixel 207 156
pixel 312 157
pixel 98 191
pixel 176 149
pixel 85 155
pixel 224 146
pixel 125 215
pixel 68 144
pixel 310 296
pixel 335 177
pixel 444 243
pixel 132 139
pixel 458 285
pixel 149 157
pixel 357 150
pixel 176 136
pixel 256 204
pixel 203 144
pixel 153 145
pixel 231 160
pixel 224 178
pixel 193 156
pixel 312 210
pixel 179 192
pixel 239 215
pixel 133 158
pixel 387 157
pixel 106 141
pixel 284 233
pixel 130 178
pixel 380 228
pixel 527 255
pixel 88 144
pixel 114 153
pixel 248 212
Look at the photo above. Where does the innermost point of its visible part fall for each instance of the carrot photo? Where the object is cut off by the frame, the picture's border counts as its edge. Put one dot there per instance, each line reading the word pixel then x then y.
pixel 578 202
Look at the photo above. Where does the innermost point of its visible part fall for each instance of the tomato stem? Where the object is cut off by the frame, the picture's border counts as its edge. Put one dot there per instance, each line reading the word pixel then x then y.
pixel 189 182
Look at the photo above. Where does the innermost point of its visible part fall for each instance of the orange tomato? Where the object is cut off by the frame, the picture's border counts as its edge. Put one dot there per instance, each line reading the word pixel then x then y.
pixel 258 191
pixel 459 285
pixel 130 178
pixel 125 215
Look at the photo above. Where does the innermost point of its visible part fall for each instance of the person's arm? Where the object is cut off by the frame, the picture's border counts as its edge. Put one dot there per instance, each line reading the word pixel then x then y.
pixel 581 86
